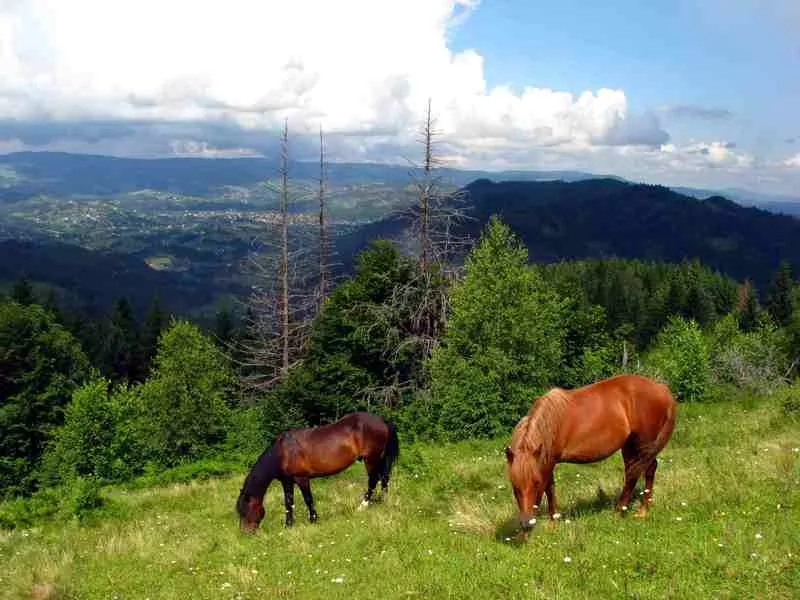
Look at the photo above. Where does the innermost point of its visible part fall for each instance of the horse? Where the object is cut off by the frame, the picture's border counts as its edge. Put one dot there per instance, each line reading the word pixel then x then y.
pixel 298 455
pixel 586 425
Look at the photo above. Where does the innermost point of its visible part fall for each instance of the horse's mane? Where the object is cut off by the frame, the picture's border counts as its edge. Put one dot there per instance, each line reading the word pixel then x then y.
pixel 539 428
pixel 260 476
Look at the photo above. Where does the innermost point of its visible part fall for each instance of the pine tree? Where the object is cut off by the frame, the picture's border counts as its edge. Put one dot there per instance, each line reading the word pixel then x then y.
pixel 779 295
pixel 503 343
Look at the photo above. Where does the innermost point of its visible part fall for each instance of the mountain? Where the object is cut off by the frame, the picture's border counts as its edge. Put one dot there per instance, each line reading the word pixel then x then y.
pixel 25 174
pixel 785 205
pixel 105 227
pixel 610 218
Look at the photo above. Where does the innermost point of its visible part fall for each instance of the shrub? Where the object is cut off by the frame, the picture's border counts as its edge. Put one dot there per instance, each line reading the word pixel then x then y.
pixel 681 356
pixel 102 436
pixel 184 404
pixel 753 361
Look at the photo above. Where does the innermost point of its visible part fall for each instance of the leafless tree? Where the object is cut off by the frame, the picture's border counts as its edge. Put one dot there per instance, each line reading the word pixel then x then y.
pixel 291 283
pixel 418 309
pixel 324 258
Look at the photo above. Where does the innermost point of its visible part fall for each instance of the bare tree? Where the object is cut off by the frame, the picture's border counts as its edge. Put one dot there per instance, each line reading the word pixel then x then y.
pixel 287 295
pixel 283 267
pixel 324 237
pixel 418 309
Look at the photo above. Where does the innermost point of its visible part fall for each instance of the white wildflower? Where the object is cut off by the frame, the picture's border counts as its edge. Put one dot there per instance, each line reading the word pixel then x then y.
pixel 567 559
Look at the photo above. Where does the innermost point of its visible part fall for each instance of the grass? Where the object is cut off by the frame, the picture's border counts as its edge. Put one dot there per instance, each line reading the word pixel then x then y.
pixel 725 524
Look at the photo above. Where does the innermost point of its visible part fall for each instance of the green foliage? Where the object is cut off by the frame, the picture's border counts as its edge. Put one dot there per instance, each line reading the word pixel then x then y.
pixel 681 356
pixel 40 366
pixel 779 295
pixel 753 361
pixel 102 437
pixel 361 343
pixel 184 404
pixel 503 342
pixel 84 496
pixel 638 297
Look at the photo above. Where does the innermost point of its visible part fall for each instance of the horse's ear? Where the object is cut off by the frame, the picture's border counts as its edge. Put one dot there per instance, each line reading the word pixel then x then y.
pixel 509 455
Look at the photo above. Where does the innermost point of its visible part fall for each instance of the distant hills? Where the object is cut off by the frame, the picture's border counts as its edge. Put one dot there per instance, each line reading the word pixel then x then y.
pixel 598 218
pixel 23 174
pixel 60 202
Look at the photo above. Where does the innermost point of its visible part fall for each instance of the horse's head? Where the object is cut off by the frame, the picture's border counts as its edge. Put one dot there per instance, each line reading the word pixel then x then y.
pixel 524 473
pixel 251 512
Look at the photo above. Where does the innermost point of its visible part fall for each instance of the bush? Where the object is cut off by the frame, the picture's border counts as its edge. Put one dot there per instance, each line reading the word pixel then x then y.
pixel 681 357
pixel 102 436
pixel 184 404
pixel 83 497
pixel 754 361
pixel 791 401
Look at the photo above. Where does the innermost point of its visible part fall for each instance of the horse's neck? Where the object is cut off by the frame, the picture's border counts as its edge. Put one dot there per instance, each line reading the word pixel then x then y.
pixel 546 419
pixel 266 470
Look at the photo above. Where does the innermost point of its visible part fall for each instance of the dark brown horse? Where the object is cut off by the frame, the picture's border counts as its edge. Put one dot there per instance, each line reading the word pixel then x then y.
pixel 301 454
pixel 585 425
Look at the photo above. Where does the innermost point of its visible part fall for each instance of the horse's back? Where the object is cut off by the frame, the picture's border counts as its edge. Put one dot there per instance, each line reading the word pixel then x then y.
pixel 650 406
pixel 602 416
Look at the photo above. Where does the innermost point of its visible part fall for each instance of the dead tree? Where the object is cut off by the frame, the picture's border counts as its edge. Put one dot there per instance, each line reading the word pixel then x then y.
pixel 285 297
pixel 324 236
pixel 419 308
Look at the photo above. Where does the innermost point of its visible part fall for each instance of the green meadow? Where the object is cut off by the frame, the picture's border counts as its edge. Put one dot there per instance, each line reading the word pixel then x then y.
pixel 725 524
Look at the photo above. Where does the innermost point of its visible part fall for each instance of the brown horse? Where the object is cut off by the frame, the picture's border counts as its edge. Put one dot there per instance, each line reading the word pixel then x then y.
pixel 301 454
pixel 585 425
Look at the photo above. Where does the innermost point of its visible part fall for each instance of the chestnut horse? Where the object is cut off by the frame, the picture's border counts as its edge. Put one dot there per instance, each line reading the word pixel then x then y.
pixel 301 454
pixel 585 425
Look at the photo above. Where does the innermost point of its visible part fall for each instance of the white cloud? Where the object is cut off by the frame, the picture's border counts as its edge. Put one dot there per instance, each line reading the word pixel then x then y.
pixel 793 161
pixel 360 68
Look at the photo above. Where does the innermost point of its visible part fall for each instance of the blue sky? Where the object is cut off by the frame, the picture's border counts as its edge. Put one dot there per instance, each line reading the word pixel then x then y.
pixel 699 93
pixel 738 63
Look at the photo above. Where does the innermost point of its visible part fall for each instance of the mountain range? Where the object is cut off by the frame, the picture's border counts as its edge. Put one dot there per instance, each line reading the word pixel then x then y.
pixel 98 227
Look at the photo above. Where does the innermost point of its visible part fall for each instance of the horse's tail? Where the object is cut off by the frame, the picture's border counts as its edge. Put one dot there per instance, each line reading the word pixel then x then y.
pixel 390 452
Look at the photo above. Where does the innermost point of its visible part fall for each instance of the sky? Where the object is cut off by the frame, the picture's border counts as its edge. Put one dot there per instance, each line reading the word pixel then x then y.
pixel 700 93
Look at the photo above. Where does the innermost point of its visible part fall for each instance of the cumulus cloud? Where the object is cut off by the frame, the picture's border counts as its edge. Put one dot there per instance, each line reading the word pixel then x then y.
pixel 793 161
pixel 215 76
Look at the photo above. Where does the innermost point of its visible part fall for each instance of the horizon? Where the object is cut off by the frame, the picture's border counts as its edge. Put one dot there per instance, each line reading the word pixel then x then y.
pixel 689 93
pixel 750 196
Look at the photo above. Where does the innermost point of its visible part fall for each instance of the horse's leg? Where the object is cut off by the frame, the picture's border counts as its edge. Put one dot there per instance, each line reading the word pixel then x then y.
pixel 550 491
pixel 288 500
pixel 304 483
pixel 649 478
pixel 633 470
pixel 373 465
pixel 384 477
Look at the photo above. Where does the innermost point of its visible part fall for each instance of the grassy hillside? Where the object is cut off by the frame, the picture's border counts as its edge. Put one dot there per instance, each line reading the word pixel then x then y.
pixel 724 525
